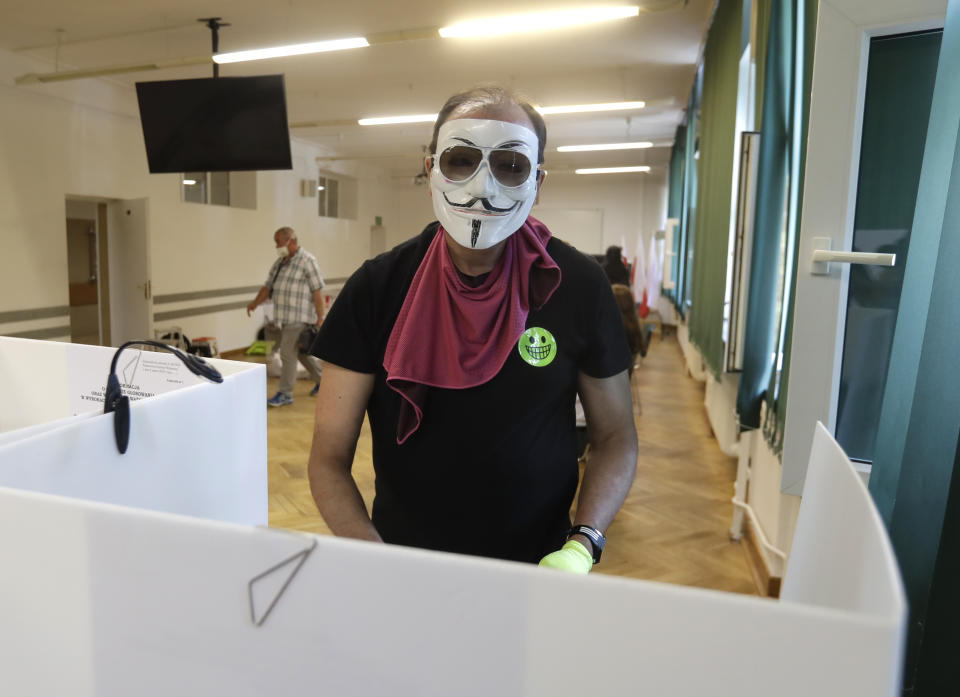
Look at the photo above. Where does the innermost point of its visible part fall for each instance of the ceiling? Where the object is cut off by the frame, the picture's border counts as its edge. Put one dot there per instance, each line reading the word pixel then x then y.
pixel 650 57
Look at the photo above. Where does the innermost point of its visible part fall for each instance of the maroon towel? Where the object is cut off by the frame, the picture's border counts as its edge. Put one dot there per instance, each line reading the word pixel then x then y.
pixel 453 336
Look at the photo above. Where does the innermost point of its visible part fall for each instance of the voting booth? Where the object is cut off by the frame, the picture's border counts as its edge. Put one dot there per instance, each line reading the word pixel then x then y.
pixel 196 448
pixel 120 593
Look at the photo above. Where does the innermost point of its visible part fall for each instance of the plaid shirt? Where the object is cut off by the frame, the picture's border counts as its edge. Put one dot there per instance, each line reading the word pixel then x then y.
pixel 291 288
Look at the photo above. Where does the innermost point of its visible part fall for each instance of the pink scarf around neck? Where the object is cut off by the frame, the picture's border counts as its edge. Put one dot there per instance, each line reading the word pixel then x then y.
pixel 453 336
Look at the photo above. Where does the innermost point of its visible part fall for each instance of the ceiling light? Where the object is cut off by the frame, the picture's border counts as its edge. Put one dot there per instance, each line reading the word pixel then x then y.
pixel 413 118
pixel 545 110
pixel 319 188
pixel 605 146
pixel 612 170
pixel 536 21
pixel 582 108
pixel 292 50
pixel 189 182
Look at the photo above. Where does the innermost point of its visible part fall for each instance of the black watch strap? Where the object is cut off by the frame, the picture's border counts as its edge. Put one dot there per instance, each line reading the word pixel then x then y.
pixel 597 539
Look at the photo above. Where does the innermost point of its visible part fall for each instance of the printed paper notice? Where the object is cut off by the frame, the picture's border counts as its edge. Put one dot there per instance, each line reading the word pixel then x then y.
pixel 142 374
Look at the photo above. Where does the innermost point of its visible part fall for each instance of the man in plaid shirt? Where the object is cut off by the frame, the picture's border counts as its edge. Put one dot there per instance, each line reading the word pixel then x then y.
pixel 294 284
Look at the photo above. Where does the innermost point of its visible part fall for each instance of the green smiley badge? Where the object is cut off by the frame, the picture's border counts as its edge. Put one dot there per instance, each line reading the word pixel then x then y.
pixel 537 347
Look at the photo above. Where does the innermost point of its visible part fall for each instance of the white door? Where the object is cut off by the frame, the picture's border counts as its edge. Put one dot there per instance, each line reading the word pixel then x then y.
pixel 131 295
pixel 845 30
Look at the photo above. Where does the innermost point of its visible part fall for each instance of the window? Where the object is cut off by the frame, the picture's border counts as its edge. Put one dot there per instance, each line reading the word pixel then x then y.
pixel 234 189
pixel 194 187
pixel 220 188
pixel 328 197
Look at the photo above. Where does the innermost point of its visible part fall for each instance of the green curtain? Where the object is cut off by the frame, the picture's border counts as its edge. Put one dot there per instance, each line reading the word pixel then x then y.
pixel 760 43
pixel 675 203
pixel 806 29
pixel 689 212
pixel 770 215
pixel 711 228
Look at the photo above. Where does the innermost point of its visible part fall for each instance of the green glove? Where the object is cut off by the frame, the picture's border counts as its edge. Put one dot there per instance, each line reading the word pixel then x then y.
pixel 572 557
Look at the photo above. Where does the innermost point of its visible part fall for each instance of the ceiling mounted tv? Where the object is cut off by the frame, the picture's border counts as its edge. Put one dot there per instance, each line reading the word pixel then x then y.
pixel 223 124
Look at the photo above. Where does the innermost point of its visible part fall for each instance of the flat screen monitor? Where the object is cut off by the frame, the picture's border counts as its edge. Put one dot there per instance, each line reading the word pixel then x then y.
pixel 224 124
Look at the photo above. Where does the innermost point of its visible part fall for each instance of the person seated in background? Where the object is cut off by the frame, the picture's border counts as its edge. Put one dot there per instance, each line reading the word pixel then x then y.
pixel 638 337
pixel 613 266
pixel 467 346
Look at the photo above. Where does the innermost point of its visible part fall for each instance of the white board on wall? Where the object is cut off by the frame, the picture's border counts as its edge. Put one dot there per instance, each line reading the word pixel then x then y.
pixel 580 227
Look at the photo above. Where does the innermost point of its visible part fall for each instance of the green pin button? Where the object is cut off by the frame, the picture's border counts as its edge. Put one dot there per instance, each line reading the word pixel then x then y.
pixel 537 347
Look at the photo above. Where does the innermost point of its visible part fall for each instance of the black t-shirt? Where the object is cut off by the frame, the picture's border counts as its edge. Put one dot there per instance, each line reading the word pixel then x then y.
pixel 492 470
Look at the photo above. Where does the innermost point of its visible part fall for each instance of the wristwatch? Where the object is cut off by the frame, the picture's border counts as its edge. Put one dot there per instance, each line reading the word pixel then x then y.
pixel 597 539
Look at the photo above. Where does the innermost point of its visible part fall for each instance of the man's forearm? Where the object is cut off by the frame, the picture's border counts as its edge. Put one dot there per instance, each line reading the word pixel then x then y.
pixel 339 502
pixel 607 479
pixel 262 295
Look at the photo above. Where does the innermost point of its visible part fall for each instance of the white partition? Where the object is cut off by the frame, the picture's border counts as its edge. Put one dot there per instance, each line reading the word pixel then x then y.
pixel 841 557
pixel 196 448
pixel 111 601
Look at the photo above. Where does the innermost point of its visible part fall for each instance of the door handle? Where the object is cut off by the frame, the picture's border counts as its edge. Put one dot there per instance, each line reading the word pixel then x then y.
pixel 146 290
pixel 823 255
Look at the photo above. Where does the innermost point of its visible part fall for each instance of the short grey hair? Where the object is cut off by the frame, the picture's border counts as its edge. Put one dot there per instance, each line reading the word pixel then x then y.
pixel 288 233
pixel 492 95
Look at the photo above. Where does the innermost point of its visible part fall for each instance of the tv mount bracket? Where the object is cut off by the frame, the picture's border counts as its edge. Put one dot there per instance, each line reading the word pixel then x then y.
pixel 214 23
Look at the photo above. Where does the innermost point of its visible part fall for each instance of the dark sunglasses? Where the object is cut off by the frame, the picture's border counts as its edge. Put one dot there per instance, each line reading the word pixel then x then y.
pixel 509 167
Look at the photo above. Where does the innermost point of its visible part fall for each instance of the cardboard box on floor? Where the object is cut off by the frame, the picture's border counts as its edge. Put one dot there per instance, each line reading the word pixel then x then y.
pixel 103 599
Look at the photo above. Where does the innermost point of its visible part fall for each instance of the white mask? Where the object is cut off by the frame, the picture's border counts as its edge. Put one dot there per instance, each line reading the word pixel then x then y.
pixel 475 207
pixel 283 252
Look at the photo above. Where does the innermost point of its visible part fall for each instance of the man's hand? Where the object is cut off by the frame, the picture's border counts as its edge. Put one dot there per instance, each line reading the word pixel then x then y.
pixel 261 298
pixel 572 557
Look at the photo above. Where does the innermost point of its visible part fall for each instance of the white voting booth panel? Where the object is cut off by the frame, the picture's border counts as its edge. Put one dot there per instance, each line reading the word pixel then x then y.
pixel 110 601
pixel 196 448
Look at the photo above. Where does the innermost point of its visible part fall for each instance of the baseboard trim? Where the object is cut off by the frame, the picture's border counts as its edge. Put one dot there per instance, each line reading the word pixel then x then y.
pixel 233 353
pixel 767 584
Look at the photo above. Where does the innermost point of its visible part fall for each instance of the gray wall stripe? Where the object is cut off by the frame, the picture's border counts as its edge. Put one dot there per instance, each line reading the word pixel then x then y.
pixel 219 293
pixel 39 313
pixel 47 333
pixel 200 294
pixel 193 311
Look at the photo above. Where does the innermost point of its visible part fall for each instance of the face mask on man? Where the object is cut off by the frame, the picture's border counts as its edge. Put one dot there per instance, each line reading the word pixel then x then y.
pixel 283 252
pixel 483 180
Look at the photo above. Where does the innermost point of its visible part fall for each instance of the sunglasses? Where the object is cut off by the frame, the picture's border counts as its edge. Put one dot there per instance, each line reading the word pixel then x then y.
pixel 459 163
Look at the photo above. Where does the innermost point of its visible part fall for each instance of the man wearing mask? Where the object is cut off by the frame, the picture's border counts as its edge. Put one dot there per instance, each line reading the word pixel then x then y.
pixel 294 284
pixel 467 346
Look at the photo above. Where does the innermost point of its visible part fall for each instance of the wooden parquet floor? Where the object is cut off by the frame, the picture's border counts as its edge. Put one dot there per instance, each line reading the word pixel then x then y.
pixel 673 525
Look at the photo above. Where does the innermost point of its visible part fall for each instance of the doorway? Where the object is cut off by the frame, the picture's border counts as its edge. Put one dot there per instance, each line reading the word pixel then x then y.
pixel 88 272
pixel 108 255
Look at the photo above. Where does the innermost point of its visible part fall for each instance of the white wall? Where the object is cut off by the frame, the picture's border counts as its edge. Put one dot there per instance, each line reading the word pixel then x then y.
pixel 776 511
pixel 83 138
pixel 631 205
pixel 407 210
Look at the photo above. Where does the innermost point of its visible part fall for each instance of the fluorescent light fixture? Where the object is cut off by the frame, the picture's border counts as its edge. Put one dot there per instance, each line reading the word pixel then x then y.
pixel 385 120
pixel 583 108
pixel 605 146
pixel 612 170
pixel 545 110
pixel 536 21
pixel 189 182
pixel 292 50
